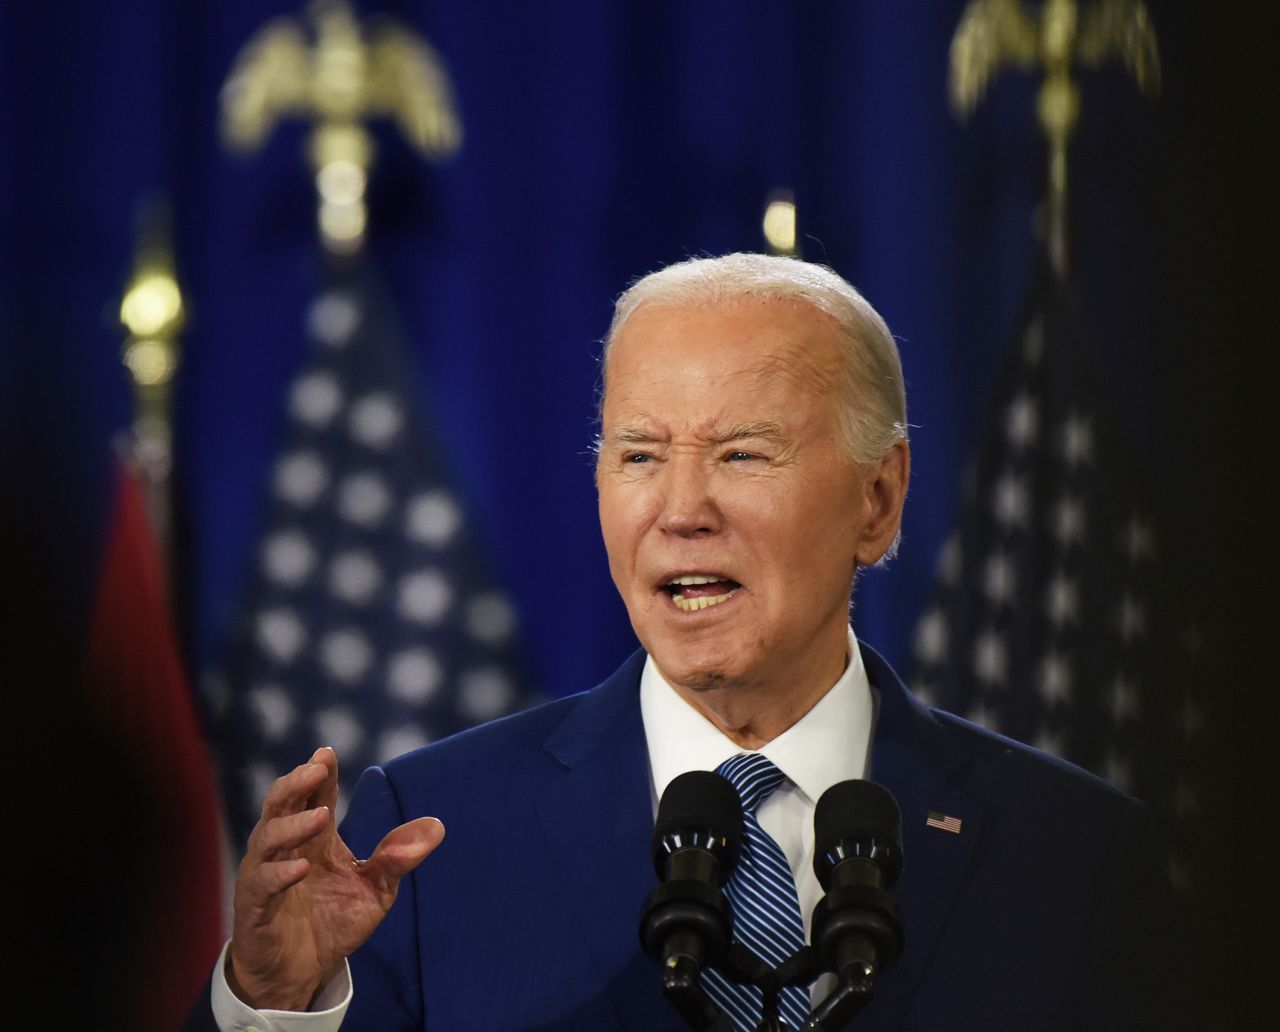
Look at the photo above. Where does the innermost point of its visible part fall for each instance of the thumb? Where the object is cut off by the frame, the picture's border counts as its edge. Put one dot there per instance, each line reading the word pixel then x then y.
pixel 403 848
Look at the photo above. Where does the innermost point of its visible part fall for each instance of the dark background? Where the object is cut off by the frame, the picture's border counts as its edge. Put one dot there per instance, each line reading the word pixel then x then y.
pixel 603 140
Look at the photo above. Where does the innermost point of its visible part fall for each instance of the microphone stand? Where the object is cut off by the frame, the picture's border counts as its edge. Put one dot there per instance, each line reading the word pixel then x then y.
pixel 682 985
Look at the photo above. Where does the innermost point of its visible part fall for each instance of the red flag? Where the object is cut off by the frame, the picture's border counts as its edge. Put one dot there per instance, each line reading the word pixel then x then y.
pixel 144 704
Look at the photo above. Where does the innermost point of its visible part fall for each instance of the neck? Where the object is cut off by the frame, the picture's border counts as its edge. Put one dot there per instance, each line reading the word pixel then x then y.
pixel 753 715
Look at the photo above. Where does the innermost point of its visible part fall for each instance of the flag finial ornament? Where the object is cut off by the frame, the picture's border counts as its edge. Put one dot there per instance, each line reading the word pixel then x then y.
pixel 336 77
pixel 1062 36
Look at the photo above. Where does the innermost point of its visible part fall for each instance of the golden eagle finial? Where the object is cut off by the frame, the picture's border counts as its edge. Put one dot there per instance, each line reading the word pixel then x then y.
pixel 337 78
pixel 996 33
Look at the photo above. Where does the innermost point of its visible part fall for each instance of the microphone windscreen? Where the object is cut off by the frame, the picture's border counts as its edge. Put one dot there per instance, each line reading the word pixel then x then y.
pixel 702 800
pixel 856 811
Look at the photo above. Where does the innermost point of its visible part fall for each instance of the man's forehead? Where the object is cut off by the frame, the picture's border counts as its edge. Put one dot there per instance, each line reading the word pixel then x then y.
pixel 749 337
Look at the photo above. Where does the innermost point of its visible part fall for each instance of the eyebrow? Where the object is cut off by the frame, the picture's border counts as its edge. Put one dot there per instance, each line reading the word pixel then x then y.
pixel 631 435
pixel 740 432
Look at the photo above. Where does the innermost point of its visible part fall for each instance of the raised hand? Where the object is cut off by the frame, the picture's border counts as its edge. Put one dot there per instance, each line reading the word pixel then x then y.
pixel 303 902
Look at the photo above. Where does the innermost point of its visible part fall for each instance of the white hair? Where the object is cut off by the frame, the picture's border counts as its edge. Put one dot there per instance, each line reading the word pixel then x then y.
pixel 873 409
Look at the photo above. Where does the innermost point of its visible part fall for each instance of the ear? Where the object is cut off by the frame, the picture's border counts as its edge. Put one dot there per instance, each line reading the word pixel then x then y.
pixel 884 491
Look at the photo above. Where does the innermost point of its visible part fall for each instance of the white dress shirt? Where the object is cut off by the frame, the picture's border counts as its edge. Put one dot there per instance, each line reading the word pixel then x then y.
pixel 827 745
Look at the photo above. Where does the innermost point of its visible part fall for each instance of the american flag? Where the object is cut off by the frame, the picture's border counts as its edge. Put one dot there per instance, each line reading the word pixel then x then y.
pixel 943 822
pixel 374 624
pixel 1057 618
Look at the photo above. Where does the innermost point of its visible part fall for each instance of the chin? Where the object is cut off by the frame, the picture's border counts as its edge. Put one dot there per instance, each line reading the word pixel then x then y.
pixel 699 667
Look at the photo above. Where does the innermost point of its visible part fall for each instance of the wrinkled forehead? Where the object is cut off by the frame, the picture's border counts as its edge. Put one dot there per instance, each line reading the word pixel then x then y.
pixel 757 337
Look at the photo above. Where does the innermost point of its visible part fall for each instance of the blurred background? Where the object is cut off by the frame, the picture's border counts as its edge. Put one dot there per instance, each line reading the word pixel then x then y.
pixel 372 519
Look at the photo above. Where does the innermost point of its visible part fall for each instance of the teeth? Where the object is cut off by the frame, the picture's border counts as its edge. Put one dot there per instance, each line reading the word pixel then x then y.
pixel 691 605
pixel 696 578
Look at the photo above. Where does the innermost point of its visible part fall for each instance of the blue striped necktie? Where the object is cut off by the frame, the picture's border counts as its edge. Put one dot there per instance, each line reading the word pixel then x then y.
pixel 762 892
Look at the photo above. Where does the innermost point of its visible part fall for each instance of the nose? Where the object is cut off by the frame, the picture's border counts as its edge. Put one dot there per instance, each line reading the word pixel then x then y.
pixel 689 507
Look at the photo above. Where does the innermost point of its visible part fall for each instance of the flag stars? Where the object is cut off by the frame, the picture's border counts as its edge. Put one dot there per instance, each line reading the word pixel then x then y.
pixel 984 715
pixel 315 399
pixel 363 499
pixel 414 675
pixel 354 577
pixel 424 597
pixel 280 634
pixel 273 711
pixel 1022 421
pixel 950 560
pixel 333 318
pixel 1069 521
pixel 484 694
pixel 301 477
pixel 1055 679
pixel 1062 600
pixel 399 740
pixel 1131 618
pixel 338 727
pixel 1000 580
pixel 1119 771
pixel 432 518
pixel 1124 699
pixel 1011 503
pixel 288 557
pixel 346 655
pixel 490 618
pixel 260 777
pixel 375 420
pixel 1139 539
pixel 931 636
pixel 990 658
pixel 923 691
pixel 1049 741
pixel 1077 440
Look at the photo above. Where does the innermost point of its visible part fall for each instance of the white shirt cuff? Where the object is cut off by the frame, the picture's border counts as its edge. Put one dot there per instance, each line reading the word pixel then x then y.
pixel 326 1014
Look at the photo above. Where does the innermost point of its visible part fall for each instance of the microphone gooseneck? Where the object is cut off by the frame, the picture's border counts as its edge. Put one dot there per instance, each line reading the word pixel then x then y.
pixel 857 858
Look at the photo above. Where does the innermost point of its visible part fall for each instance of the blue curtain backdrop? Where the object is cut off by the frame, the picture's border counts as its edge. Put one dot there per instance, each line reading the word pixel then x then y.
pixel 603 139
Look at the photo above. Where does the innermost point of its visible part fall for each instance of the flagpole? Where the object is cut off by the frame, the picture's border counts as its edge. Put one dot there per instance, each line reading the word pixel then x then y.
pixel 153 312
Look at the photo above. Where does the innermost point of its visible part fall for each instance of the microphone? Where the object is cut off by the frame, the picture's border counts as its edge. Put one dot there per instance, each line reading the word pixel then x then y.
pixel 686 920
pixel 857 858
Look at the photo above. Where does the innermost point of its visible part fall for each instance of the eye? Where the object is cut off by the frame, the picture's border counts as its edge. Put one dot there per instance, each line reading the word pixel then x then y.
pixel 636 458
pixel 740 456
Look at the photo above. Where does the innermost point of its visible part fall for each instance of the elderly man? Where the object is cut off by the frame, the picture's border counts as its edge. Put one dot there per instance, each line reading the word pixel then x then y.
pixel 752 457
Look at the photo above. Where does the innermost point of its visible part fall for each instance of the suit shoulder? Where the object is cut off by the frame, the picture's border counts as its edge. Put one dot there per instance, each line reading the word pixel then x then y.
pixel 492 741
pixel 1005 766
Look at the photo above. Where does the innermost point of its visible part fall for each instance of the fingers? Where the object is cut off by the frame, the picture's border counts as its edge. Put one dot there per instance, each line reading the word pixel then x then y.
pixel 272 838
pixel 403 848
pixel 314 783
pixel 327 793
pixel 260 887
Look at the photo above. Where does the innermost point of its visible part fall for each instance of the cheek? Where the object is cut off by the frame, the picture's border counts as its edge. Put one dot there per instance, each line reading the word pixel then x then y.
pixel 621 523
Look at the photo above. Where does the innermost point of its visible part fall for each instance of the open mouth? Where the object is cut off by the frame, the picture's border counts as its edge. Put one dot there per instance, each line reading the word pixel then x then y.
pixel 693 591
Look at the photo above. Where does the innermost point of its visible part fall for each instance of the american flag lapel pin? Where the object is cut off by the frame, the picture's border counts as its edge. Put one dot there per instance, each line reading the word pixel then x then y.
pixel 943 822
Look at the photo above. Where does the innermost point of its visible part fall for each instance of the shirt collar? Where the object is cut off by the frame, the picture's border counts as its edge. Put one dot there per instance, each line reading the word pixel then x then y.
pixel 827 745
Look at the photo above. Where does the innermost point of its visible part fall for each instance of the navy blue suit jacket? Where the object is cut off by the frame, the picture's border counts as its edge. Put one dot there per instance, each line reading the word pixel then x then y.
pixel 526 917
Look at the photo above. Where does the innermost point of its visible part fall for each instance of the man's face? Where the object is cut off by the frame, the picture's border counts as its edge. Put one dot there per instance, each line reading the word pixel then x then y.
pixel 733 516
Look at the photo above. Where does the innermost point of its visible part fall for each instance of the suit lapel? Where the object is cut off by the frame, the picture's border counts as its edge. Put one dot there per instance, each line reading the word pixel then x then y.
pixel 598 818
pixel 917 761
